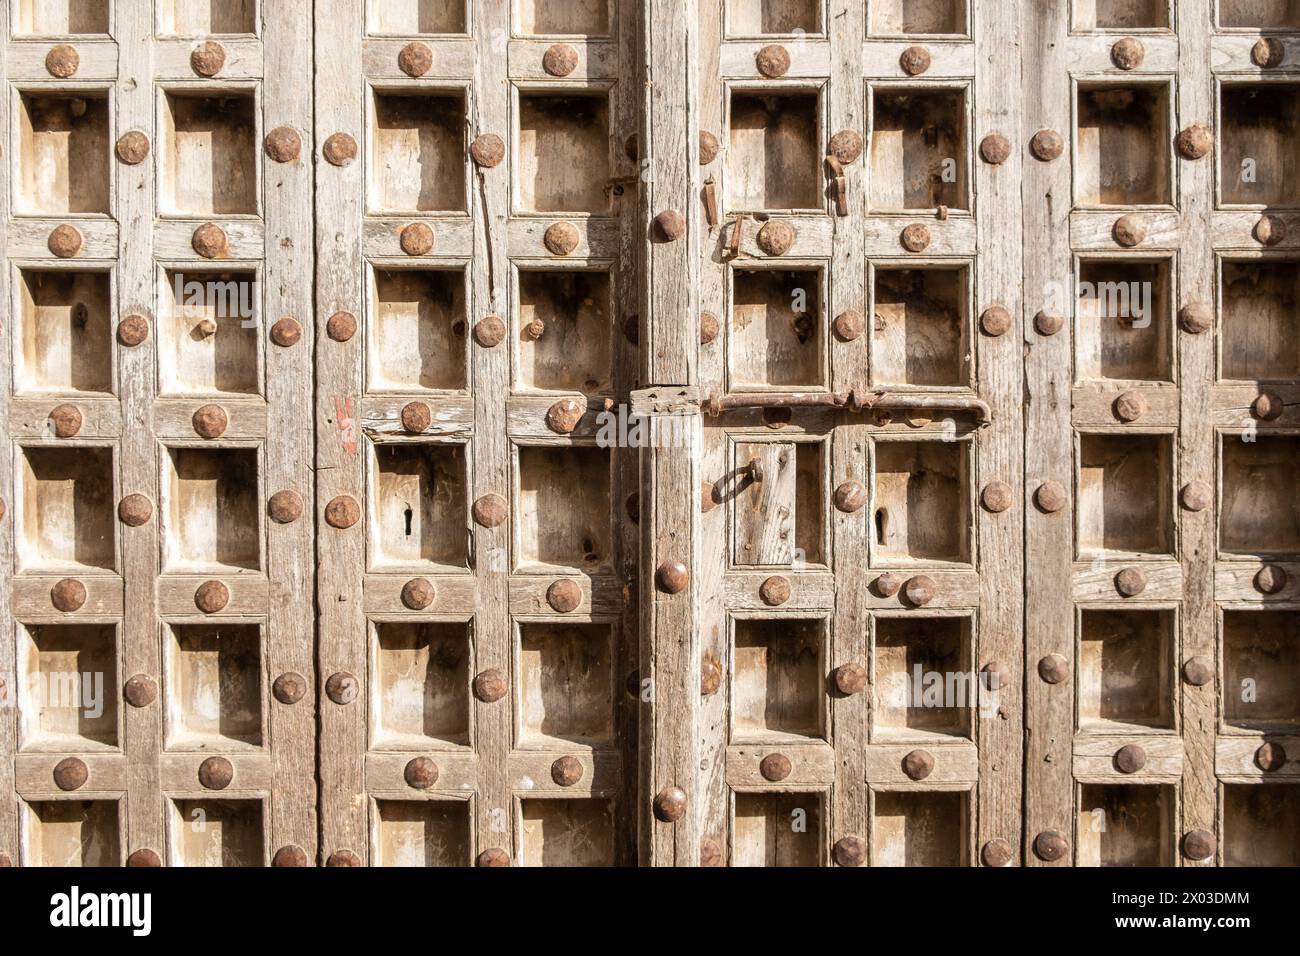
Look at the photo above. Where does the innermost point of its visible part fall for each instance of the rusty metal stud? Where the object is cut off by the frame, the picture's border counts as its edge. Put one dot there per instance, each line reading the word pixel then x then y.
pixel 1198 671
pixel 341 326
pixel 343 858
pixel 286 332
pixel 132 147
pixel 774 591
pixel 1195 142
pixel 144 858
pixel 490 331
pixel 133 330
pixel 850 497
pixel 671 577
pixel 215 773
pixel 290 856
pixel 1051 497
pixel 487 150
pixel 342 688
pixel 1196 317
pixel 1130 582
pixel 210 421
pixel 776 237
pixel 1267 53
pixel 775 767
pixel 560 238
pixel 670 804
pixel 564 595
pixel 560 59
pixel 342 512
pixel 1048 323
pixel 845 146
pixel 1129 230
pixel 1130 758
pixel 140 690
pixel 416 239
pixel 773 61
pixel 68 595
pixel 1270 757
pixel 418 594
pixel 211 597
pixel 1128 53
pixel 887 584
pixel 997 853
pixel 1196 496
pixel 65 421
pixel 1270 579
pixel 916 237
pixel 416 417
pixel 493 856
pixel 997 497
pixel 920 590
pixel 285 507
pixel 420 773
pixel 415 59
pixel 709 328
pixel 206 328
pixel 289 688
pixel 535 328
pixel 566 770
pixel 65 241
pixel 1267 407
pixel 563 417
pixel 670 225
pixel 849 325
pixel 1130 406
pixel 1054 669
pixel 711 852
pixel 1050 846
pixel 490 685
pixel 1047 145
pixel 995 149
pixel 1199 845
pixel 283 144
pixel 710 676
pixel 210 241
pixel 918 764
pixel 62 61
pixel 489 511
pixel 1269 231
pixel 208 58
pixel 995 321
pixel 70 773
pixel 340 149
pixel 850 678
pixel 708 148
pixel 915 60
pixel 850 851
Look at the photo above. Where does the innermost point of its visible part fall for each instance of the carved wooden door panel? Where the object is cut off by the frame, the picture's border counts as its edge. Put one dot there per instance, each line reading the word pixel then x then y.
pixel 474 276
pixel 157 609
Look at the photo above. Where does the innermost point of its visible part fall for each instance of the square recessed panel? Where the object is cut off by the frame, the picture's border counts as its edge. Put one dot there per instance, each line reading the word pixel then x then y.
pixel 422 833
pixel 415 17
pixel 1126 670
pixel 420 673
pixel 563 513
pixel 1123 825
pixel 71 833
pixel 214 686
pixel 564 330
pixel 1122 141
pixel 211 510
pixel 918 149
pixel 566 832
pixel 1259 329
pixel 65 515
pixel 1124 496
pixel 417 161
pixel 417 330
pixel 209 332
pixel 202 18
pixel 924 685
pixel 920 828
pixel 419 506
pixel 921 509
pixel 1121 14
pixel 777 829
pixel 1260 511
pixel 777 520
pixel 64 336
pixel 566 684
pixel 1123 320
pixel 918 17
pixel 778 680
pixel 585 18
pixel 919 325
pixel 563 153
pixel 1261 825
pixel 777 333
pixel 1261 670
pixel 208 155
pixel 216 833
pixel 750 18
pixel 1259 144
pixel 774 155
pixel 51 18
pixel 63 147
pixel 1259 14
pixel 67 701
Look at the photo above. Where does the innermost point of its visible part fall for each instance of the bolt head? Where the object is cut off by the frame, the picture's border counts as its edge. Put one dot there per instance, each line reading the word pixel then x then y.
pixel 849 325
pixel 289 688
pixel 1130 230
pixel 490 331
pixel 134 510
pixel 670 225
pixel 1130 582
pixel 341 326
pixel 566 771
pixel 1130 406
pixel 1269 231
pixel 342 688
pixel 1048 323
pixel 846 146
pixel 915 60
pixel 211 597
pixel 68 595
pixel 208 58
pixel 1051 497
pixel 416 417
pixel 1047 145
pixel 776 237
pixel 995 149
pixel 916 237
pixel 490 685
pixel 1199 845
pixel 1268 52
pixel 560 238
pixel 285 507
pixel 216 773
pixel 1128 53
pixel 708 148
pixel 564 595
pixel 66 421
pixel 71 773
pixel 711 853
pixel 997 853
pixel 1268 407
pixel 995 321
pixel 210 241
pixel 210 421
pixel 775 767
pixel 65 241
pixel 144 858
pixel 287 332
pixel 672 577
pixel 560 60
pixel 62 61
pixel 775 591
pixel 415 59
pixel 133 330
pixel 850 851
pixel 670 804
pixel 290 856
pixel 850 497
pixel 773 61
pixel 494 856
pixel 133 147
pixel 140 690
pixel 1130 758
pixel 1050 846
pixel 710 676
pixel 1198 671
pixel 420 773
pixel 918 764
pixel 343 858
pixel 339 149
pixel 563 417
pixel 1270 757
pixel 1195 142
pixel 850 678
pixel 417 594
pixel 709 327
pixel 887 584
pixel 920 590
pixel 1270 579
pixel 1054 669
pixel 490 510
pixel 416 239
pixel 1196 495
pixel 997 497
pixel 342 512
pixel 283 144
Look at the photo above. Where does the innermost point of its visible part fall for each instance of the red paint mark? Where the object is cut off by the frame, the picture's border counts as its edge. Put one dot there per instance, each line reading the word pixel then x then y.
pixel 347 424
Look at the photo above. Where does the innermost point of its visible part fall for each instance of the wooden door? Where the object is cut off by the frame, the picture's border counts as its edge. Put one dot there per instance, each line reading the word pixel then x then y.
pixel 157 613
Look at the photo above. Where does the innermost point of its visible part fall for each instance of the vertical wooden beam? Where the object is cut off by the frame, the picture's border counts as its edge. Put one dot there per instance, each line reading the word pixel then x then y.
pixel 1048 436
pixel 8 639
pixel 670 642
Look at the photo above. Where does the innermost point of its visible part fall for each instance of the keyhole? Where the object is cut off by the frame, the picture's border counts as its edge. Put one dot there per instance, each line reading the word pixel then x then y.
pixel 882 525
pixel 407 515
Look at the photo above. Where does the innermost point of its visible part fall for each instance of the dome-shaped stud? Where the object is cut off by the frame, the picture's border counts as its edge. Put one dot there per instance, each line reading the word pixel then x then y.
pixel 560 59
pixel 68 595
pixel 62 61
pixel 1270 579
pixel 1130 582
pixel 776 237
pixel 140 690
pixel 1051 496
pixel 415 59
pixel 285 506
pixel 493 857
pixel 490 685
pixel 916 237
pixel 342 688
pixel 849 325
pixel 850 851
pixel 420 773
pixel 1269 231
pixel 290 856
pixel 1199 845
pixel 563 417
pixel 671 577
pixel 997 853
pixel 343 858
pixel 210 421
pixel 133 330
pixel 775 767
pixel 210 241
pixel 560 238
pixel 1130 758
pixel 340 149
pixel 1270 757
pixel 416 417
pixel 670 804
pixel 65 241
pixel 564 596
pixel 1196 496
pixel 1195 142
pixel 1268 53
pixel 670 225
pixel 216 773
pixel 416 239
pixel 144 858
pixel 490 511
pixel 997 497
pixel 490 331
pixel 1047 145
pixel 915 60
pixel 566 771
pixel 918 764
pixel 995 149
pixel 1130 406
pixel 1198 671
pixel 1196 318
pixel 1129 231
pixel 774 591
pixel 283 145
pixel 71 773
pixel 341 326
pixel 1267 407
pixel 995 321
pixel 1051 846
pixel 1048 324
pixel 845 146
pixel 850 678
pixel 920 590
pixel 418 594
pixel 887 584
pixel 208 58
pixel 708 148
pixel 1054 669
pixel 65 421
pixel 709 328
pixel 850 497
pixel 710 676
pixel 211 597
pixel 1128 53
pixel 286 332
pixel 342 512
pixel 132 147
pixel 289 688
pixel 487 150
pixel 711 853
pixel 772 61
